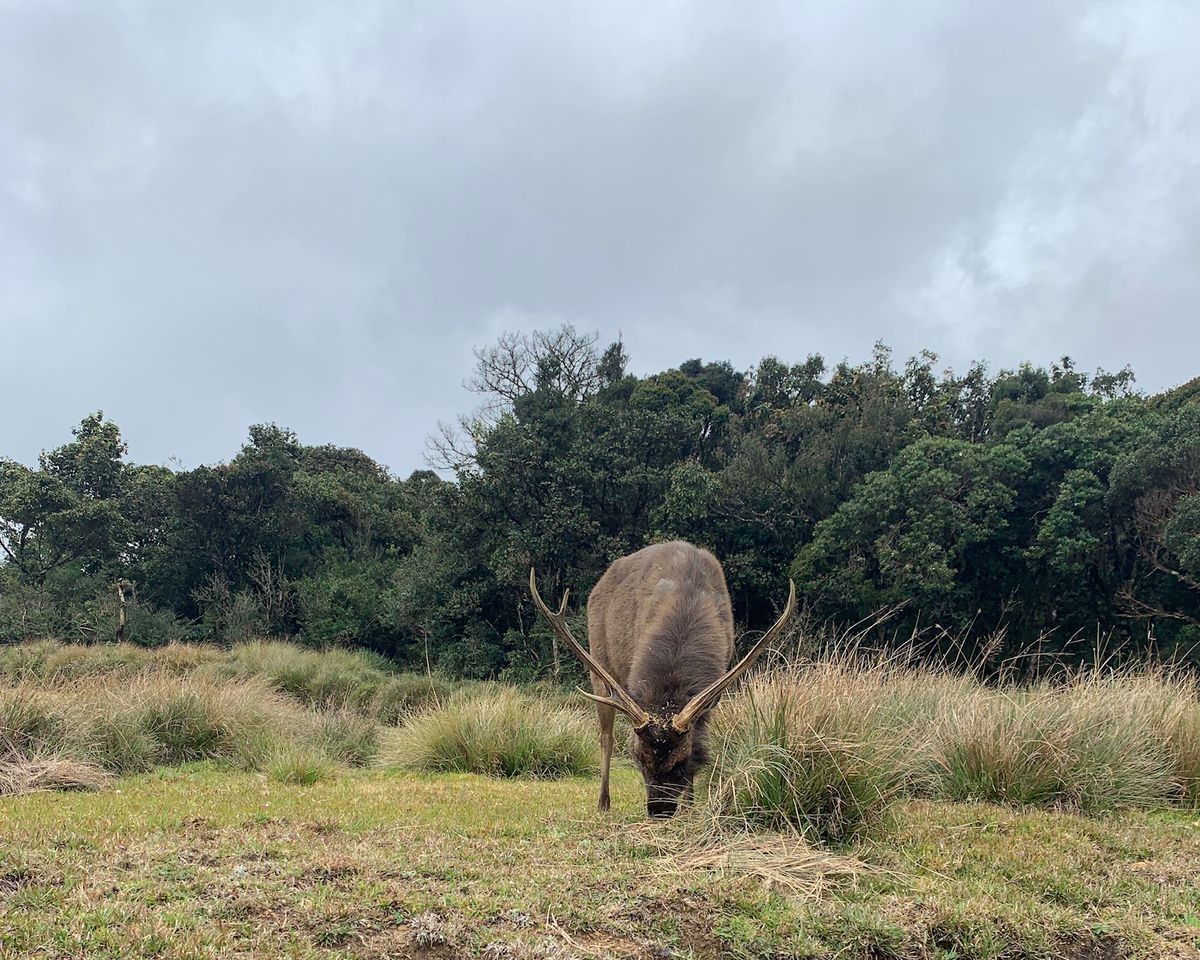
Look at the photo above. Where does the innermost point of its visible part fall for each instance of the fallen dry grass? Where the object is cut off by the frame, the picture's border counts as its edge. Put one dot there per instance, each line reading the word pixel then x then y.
pixel 779 861
pixel 20 774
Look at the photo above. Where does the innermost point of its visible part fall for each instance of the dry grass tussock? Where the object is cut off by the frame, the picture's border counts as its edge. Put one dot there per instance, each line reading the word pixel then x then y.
pixel 498 731
pixel 809 754
pixel 122 725
pixel 336 679
pixel 330 679
pixel 52 662
pixel 823 748
pixel 1092 743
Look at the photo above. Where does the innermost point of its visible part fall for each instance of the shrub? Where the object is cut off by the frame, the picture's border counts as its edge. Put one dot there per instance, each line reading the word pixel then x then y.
pixel 27 612
pixel 500 732
pixel 95 622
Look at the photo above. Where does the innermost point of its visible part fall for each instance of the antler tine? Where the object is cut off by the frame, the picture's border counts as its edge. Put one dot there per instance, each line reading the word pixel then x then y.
pixel 607 701
pixel 620 699
pixel 704 700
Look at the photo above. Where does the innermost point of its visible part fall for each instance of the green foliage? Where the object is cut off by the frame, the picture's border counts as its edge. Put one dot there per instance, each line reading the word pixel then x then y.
pixel 911 532
pixel 68 511
pixel 1029 505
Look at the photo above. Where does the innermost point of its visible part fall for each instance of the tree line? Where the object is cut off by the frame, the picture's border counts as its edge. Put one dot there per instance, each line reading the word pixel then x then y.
pixel 992 512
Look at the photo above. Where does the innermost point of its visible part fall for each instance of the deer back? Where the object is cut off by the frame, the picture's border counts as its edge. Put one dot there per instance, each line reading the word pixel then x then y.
pixel 661 623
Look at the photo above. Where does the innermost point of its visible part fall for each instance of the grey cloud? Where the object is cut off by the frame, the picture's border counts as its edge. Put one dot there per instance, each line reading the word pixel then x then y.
pixel 212 215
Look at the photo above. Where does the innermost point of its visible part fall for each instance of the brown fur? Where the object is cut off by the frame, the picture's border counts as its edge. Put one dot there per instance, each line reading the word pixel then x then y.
pixel 661 623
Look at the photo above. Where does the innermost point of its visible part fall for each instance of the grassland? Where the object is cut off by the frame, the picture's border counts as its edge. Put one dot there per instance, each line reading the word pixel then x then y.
pixel 201 861
pixel 236 813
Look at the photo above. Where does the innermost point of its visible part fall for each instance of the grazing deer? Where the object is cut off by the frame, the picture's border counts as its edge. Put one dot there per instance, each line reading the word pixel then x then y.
pixel 660 628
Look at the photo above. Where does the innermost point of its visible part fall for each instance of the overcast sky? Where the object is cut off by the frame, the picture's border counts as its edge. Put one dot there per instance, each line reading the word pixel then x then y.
pixel 216 214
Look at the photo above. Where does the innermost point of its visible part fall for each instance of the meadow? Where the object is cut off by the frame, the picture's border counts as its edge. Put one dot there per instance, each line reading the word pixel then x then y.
pixel 268 800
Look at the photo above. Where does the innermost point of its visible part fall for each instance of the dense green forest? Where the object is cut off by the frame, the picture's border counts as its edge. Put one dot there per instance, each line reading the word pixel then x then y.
pixel 988 512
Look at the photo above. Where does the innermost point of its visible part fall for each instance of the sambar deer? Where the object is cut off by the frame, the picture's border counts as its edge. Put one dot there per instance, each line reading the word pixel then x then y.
pixel 660 628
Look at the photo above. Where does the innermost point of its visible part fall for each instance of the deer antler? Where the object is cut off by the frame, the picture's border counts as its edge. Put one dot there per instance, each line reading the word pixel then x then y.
pixel 706 698
pixel 618 697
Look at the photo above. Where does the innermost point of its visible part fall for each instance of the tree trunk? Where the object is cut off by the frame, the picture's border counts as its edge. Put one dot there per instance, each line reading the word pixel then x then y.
pixel 120 611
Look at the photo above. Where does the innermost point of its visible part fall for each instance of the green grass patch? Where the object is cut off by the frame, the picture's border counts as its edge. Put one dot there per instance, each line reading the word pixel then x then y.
pixel 208 861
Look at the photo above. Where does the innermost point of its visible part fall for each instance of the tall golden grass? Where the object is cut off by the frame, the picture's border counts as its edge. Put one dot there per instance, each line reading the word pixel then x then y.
pixel 820 747
pixel 326 679
pixel 499 731
pixel 121 725
pixel 823 748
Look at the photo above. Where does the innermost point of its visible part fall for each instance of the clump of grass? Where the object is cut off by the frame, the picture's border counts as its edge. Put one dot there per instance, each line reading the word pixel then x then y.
pixel 329 679
pixel 1091 744
pixel 805 750
pixel 196 719
pixel 125 726
pixel 1183 737
pixel 32 721
pixel 300 765
pixel 404 694
pixel 49 661
pixel 499 732
pixel 1166 702
pixel 346 737
pixel 824 747
pixel 119 742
